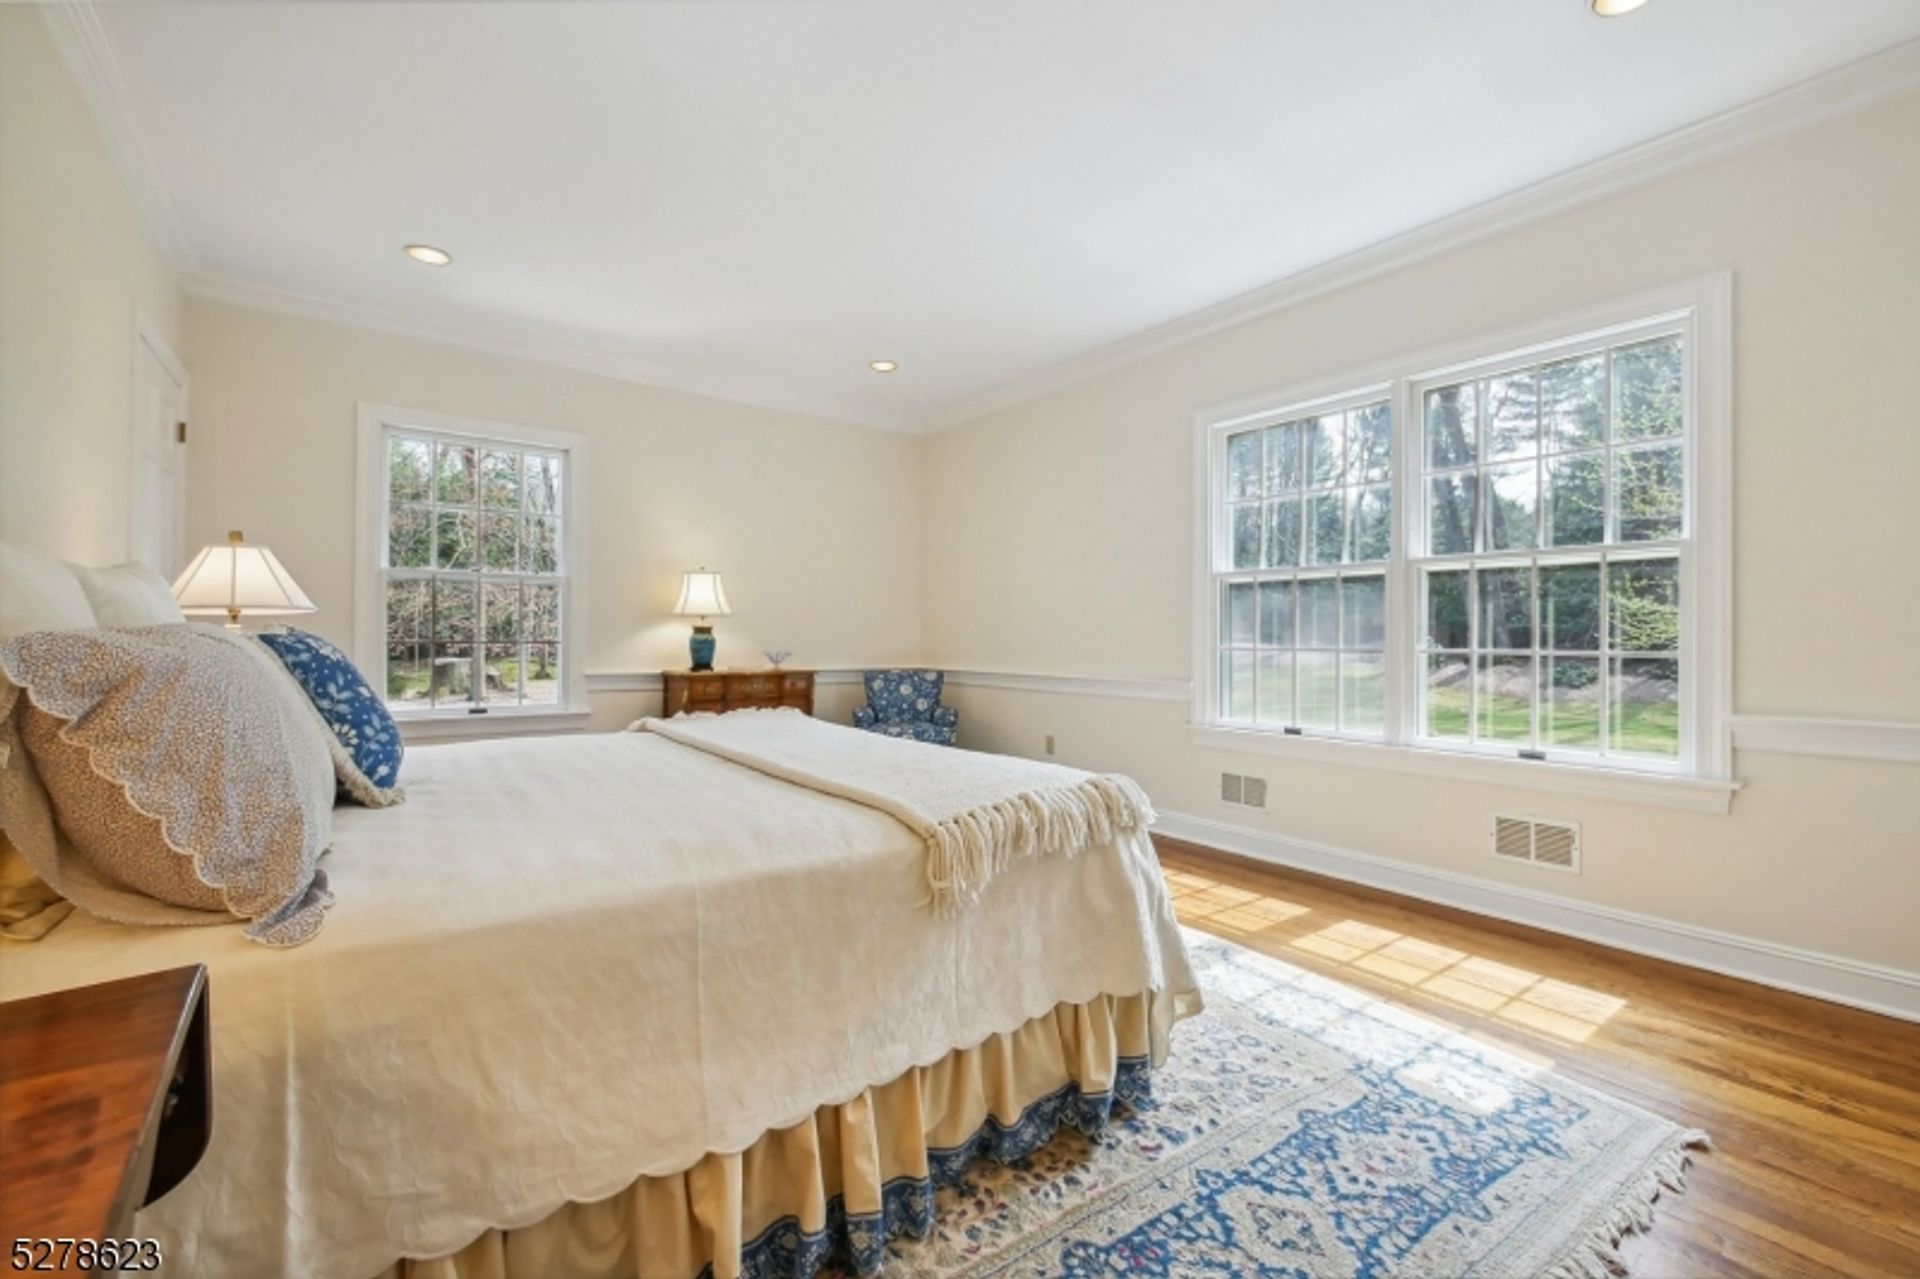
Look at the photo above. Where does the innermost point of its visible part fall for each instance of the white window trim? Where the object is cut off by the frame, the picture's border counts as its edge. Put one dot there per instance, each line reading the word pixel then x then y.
pixel 1702 309
pixel 369 639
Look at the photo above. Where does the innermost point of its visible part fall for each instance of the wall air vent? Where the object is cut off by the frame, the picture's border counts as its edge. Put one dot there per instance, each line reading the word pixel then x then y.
pixel 1537 840
pixel 1243 792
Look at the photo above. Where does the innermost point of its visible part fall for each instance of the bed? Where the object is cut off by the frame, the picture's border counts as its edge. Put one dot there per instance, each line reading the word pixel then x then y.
pixel 613 1004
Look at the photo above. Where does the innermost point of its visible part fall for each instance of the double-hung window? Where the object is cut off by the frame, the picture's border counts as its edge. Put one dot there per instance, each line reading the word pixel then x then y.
pixel 471 579
pixel 1554 532
pixel 1302 592
pixel 1515 550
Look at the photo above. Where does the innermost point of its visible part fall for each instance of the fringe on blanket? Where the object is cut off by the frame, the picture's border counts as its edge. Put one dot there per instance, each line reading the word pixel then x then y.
pixel 965 851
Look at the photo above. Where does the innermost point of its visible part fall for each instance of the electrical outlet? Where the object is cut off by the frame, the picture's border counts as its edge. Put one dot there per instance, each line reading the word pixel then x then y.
pixel 1049 743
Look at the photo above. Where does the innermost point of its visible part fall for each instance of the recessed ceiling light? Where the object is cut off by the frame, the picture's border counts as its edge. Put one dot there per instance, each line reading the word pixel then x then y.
pixel 428 254
pixel 1614 8
pixel 882 366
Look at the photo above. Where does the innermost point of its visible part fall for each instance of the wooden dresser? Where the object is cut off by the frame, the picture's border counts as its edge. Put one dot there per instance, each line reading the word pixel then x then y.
pixel 690 692
pixel 106 1103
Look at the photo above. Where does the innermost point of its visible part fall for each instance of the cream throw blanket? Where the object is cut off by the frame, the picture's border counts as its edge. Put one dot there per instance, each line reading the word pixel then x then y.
pixel 977 813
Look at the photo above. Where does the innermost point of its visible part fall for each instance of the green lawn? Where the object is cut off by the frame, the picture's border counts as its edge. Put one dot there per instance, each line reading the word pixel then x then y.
pixel 1644 728
pixel 1318 688
pixel 1640 727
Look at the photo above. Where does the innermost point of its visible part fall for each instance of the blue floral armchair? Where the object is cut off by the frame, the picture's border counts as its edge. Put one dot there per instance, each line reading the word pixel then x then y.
pixel 907 704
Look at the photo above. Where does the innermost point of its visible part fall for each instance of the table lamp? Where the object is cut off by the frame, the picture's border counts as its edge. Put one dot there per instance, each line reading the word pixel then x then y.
pixel 236 579
pixel 701 596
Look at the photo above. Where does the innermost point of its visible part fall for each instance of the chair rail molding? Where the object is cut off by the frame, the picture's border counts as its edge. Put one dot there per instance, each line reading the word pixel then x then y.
pixel 1124 687
pixel 1151 690
pixel 1889 740
pixel 1893 992
pixel 652 682
pixel 1836 738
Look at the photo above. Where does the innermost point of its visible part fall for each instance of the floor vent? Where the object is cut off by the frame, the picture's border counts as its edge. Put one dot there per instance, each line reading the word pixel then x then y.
pixel 1245 792
pixel 1538 841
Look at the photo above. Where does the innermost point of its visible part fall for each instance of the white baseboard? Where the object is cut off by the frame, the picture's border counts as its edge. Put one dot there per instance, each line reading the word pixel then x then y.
pixel 1892 992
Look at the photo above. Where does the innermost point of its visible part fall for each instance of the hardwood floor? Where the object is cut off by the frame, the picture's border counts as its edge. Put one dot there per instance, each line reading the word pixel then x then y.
pixel 1814 1108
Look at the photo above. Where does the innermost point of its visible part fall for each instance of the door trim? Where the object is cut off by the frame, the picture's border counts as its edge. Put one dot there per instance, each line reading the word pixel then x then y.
pixel 146 333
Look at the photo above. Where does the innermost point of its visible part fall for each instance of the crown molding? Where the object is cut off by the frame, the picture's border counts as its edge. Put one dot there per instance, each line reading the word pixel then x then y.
pixel 1845 89
pixel 88 49
pixel 87 46
pixel 518 343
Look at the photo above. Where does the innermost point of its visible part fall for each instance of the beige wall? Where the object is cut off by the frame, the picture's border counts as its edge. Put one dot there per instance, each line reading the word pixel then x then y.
pixel 1059 539
pixel 815 523
pixel 75 266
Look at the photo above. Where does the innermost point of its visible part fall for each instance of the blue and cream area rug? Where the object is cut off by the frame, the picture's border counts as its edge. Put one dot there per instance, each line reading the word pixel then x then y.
pixel 1307 1130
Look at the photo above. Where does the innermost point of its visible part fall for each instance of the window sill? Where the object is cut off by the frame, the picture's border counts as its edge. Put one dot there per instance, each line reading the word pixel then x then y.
pixel 1656 790
pixel 458 726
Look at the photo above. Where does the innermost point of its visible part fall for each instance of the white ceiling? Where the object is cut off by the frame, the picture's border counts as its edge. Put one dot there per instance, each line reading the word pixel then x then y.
pixel 758 198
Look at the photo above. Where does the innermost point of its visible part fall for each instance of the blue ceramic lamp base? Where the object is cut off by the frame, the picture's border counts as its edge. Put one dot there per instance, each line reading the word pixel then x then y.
pixel 700 648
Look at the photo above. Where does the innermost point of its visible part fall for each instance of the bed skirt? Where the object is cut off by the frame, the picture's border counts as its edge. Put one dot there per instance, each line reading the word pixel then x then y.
pixel 844 1182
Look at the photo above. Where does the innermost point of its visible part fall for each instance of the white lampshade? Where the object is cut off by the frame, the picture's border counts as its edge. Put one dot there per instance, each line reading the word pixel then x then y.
pixel 701 595
pixel 237 578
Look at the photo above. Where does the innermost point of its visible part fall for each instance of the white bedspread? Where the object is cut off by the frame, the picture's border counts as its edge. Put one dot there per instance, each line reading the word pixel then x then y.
pixel 568 962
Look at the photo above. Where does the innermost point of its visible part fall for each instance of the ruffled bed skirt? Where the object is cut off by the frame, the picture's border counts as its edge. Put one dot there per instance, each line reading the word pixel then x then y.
pixel 854 1175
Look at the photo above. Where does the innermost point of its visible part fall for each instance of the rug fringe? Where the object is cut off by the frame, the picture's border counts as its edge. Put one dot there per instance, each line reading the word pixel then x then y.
pixel 1598 1255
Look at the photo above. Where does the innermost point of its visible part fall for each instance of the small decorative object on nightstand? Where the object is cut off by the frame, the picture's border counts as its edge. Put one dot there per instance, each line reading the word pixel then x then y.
pixel 776 656
pixel 701 596
pixel 716 692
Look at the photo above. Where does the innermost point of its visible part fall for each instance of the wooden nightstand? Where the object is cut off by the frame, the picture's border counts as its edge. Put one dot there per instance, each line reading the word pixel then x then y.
pixel 106 1103
pixel 720 691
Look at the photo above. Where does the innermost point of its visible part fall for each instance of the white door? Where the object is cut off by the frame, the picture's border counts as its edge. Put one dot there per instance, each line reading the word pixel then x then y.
pixel 157 522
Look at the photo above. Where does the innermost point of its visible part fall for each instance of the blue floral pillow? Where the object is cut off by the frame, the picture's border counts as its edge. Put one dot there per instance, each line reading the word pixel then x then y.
pixel 367 762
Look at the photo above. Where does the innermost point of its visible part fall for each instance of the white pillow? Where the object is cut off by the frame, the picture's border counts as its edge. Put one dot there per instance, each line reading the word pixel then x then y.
pixel 39 593
pixel 129 594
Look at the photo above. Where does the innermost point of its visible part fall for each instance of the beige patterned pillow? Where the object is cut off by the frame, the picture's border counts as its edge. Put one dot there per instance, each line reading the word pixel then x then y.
pixel 166 775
